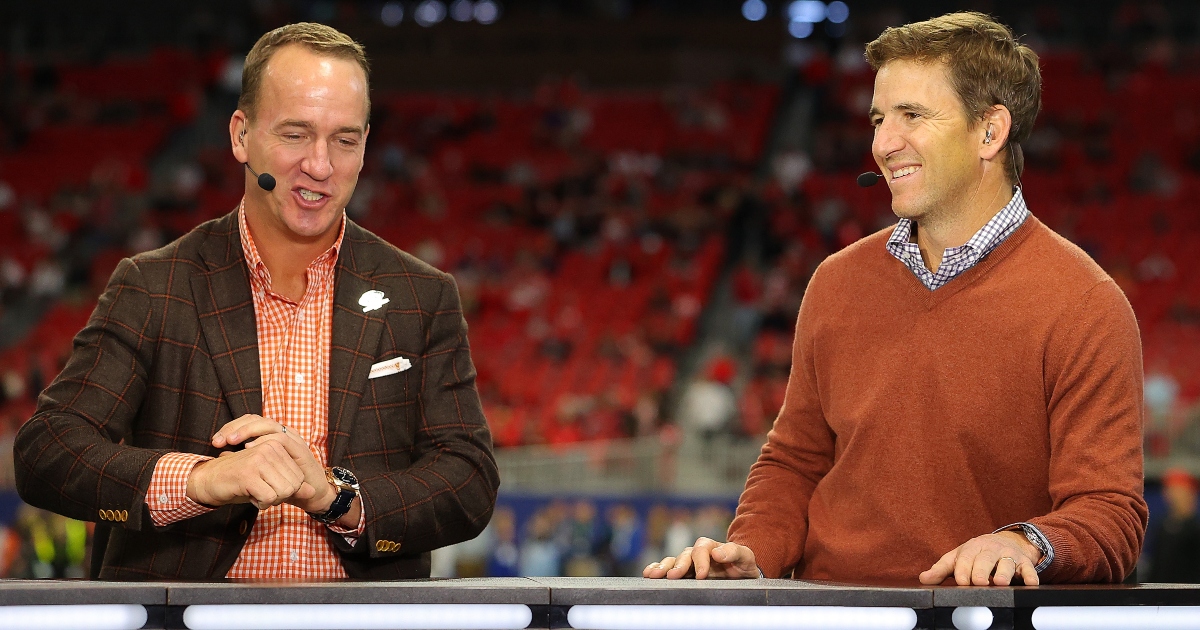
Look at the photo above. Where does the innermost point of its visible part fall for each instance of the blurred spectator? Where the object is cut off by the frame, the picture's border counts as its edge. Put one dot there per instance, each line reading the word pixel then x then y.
pixel 658 522
pixel 680 533
pixel 747 291
pixel 627 540
pixel 712 521
pixel 708 407
pixel 10 551
pixel 539 555
pixel 472 556
pixel 504 557
pixel 43 545
pixel 587 553
pixel 1187 438
pixel 1151 176
pixel 1161 393
pixel 790 168
pixel 1176 555
pixel 443 562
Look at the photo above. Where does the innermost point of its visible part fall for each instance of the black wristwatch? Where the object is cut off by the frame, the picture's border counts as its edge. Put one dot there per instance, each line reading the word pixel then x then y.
pixel 347 488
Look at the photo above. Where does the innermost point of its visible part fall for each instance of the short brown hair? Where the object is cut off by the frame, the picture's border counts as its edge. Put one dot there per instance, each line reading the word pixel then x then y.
pixel 987 67
pixel 318 38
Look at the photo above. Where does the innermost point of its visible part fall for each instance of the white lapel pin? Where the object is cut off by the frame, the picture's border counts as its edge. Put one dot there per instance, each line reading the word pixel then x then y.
pixel 372 300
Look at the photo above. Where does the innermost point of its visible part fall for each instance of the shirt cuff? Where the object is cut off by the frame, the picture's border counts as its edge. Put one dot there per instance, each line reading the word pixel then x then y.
pixel 352 535
pixel 167 495
pixel 1037 539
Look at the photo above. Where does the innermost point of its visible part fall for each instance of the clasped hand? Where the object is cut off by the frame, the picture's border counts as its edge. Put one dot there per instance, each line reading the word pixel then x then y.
pixel 275 467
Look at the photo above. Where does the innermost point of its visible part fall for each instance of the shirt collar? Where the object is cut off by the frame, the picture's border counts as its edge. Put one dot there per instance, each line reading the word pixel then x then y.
pixel 326 260
pixel 983 241
pixel 956 260
pixel 1000 226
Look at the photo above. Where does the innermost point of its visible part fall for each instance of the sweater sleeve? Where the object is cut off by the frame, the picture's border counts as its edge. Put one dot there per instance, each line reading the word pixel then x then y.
pixel 1093 372
pixel 772 513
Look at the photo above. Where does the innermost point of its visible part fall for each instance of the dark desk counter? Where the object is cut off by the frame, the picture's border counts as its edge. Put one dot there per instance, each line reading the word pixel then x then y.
pixel 458 591
pixel 1069 595
pixel 52 592
pixel 550 600
pixel 638 591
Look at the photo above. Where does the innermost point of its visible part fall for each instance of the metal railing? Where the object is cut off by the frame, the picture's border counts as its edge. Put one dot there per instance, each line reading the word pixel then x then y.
pixel 616 466
pixel 629 466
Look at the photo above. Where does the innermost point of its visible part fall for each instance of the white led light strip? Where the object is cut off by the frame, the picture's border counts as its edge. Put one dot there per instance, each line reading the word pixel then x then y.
pixel 357 616
pixel 1117 618
pixel 972 618
pixel 735 617
pixel 73 617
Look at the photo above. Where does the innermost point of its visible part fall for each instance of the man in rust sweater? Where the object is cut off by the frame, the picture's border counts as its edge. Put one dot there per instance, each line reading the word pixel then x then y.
pixel 965 403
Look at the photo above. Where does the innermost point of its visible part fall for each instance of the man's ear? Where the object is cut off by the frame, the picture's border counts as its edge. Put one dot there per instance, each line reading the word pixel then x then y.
pixel 363 162
pixel 993 132
pixel 238 123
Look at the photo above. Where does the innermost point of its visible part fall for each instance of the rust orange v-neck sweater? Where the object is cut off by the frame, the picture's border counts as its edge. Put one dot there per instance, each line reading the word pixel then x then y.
pixel 916 420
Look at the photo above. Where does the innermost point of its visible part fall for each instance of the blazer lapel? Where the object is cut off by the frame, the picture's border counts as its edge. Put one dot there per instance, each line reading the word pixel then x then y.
pixel 226 311
pixel 354 343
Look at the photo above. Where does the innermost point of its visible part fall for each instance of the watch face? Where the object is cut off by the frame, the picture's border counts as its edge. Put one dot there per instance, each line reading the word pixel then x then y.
pixel 344 476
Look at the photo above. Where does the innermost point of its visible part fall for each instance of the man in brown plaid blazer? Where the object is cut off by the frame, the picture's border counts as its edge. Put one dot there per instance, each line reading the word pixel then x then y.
pixel 171 358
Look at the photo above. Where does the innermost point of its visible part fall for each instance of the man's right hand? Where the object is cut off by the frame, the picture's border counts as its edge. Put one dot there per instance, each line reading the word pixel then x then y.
pixel 707 558
pixel 265 475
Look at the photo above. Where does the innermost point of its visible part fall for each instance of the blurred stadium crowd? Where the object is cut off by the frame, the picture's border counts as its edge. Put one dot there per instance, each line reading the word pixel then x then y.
pixel 589 229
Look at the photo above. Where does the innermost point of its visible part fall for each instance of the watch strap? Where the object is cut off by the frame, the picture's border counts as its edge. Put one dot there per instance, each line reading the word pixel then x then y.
pixel 341 502
pixel 1035 538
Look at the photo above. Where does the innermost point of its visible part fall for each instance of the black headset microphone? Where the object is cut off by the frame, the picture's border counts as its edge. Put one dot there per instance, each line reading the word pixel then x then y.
pixel 868 179
pixel 265 181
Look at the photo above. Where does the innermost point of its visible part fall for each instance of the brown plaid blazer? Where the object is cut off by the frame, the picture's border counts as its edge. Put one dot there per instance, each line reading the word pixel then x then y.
pixel 170 355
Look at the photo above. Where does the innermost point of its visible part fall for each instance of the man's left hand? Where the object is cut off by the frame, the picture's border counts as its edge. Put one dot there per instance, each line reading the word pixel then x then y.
pixel 992 559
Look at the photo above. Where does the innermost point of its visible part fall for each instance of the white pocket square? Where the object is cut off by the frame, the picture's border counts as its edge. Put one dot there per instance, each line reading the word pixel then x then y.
pixel 391 366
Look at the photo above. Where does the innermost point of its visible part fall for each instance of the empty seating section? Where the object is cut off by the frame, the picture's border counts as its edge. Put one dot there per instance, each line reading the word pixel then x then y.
pixel 580 228
pixel 1118 175
pixel 74 150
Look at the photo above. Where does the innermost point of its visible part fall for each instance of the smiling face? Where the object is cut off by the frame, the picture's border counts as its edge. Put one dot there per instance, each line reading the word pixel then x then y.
pixel 309 130
pixel 925 147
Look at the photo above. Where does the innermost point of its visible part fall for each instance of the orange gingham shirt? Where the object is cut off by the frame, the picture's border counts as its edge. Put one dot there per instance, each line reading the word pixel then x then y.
pixel 293 347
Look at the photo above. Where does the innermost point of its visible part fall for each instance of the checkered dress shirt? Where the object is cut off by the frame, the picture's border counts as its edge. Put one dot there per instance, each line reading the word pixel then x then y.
pixel 293 342
pixel 956 260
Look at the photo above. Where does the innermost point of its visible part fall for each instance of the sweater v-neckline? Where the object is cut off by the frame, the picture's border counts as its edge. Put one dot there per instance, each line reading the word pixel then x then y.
pixel 930 299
